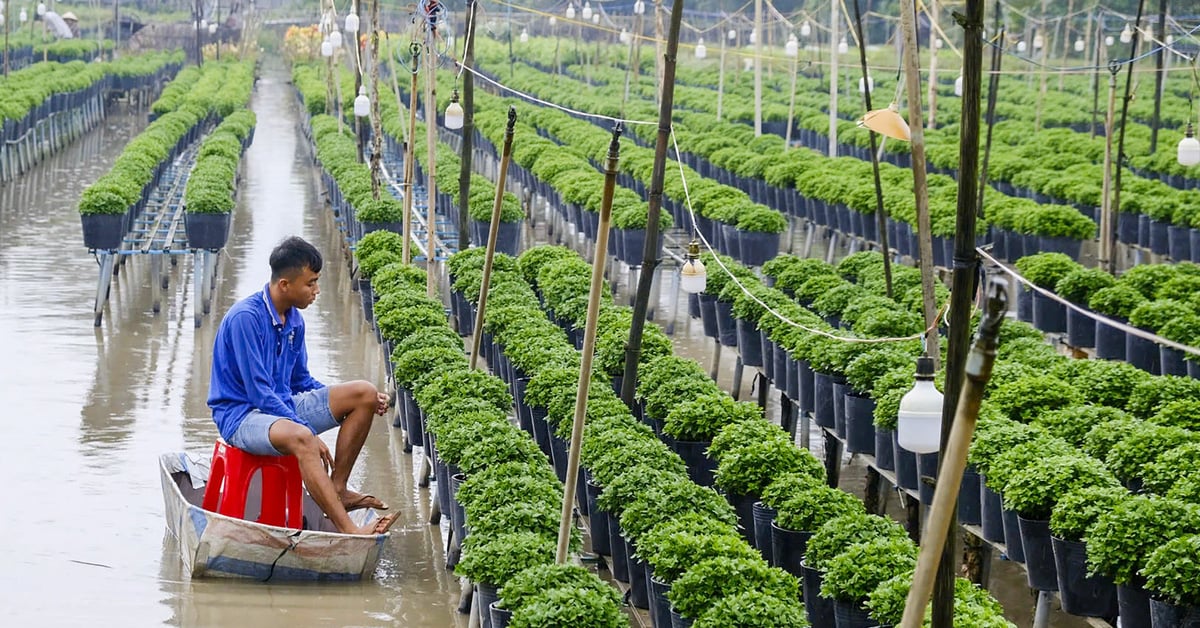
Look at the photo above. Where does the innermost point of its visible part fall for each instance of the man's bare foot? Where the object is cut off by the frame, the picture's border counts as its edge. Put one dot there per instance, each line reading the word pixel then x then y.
pixel 378 526
pixel 354 501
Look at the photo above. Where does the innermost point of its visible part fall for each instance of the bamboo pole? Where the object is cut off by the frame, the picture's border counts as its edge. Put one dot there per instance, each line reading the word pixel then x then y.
pixel 912 80
pixel 493 233
pixel 468 130
pixel 633 347
pixel 787 136
pixel 880 210
pixel 1158 73
pixel 431 123
pixel 589 344
pixel 833 76
pixel 1107 215
pixel 954 462
pixel 1115 205
pixel 758 40
pixel 376 116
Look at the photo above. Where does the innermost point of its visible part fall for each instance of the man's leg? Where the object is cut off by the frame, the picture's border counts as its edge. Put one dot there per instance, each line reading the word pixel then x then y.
pixel 353 405
pixel 291 438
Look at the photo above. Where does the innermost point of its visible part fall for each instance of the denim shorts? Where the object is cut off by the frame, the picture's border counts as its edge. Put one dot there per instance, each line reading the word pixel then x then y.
pixel 253 435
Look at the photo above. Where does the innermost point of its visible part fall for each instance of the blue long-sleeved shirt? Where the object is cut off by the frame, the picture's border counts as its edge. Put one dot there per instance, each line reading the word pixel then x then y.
pixel 259 362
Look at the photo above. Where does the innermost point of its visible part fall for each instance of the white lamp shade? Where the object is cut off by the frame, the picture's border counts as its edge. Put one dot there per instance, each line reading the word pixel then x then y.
pixel 1189 151
pixel 692 276
pixel 1 18
pixel 1022 46
pixel 553 21
pixel 1078 45
pixel 731 35
pixel 868 84
pixel 747 64
pixel 958 86
pixel 335 39
pixel 23 16
pixel 587 10
pixel 792 47
pixel 362 104
pixel 1108 41
pixel 454 116
pixel 524 36
pixel 887 122
pixel 919 422
pixel 595 18
pixel 203 23
pixel 938 43
pixel 326 49
pixel 212 29
pixel 639 7
pixel 805 29
pixel 701 50
pixel 570 12
pixel 351 23
pixel 41 8
pixel 1126 34
pixel 843 47
pixel 753 37
pixel 1038 41
pixel 624 36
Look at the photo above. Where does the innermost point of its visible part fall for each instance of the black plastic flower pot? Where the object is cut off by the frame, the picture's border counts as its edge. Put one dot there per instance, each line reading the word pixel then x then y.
pixel 1171 361
pixel 619 565
pixel 1012 536
pixel 757 247
pixel 1134 606
pixel 1164 614
pixel 700 467
pixel 805 386
pixel 412 420
pixel 788 548
pixel 906 465
pixel 885 456
pixel 558 455
pixel 541 430
pixel 1193 369
pixel 488 595
pixel 524 415
pixel 1142 353
pixel 458 518
pixel 991 512
pixel 1110 342
pixel 1040 569
pixel 660 606
pixel 103 232
pixel 679 621
pixel 766 355
pixel 1067 246
pixel 693 301
pixel 1159 237
pixel 1194 241
pixel 1081 330
pixel 1143 231
pixel 1081 594
pixel 763 516
pixel 1127 227
pixel 791 378
pixel 819 609
pixel 780 359
pixel 968 498
pixel 749 345
pixel 598 520
pixel 743 505
pixel 733 245
pixel 860 426
pixel 823 399
pixel 851 615
pixel 500 616
pixel 839 407
pixel 1179 243
pixel 1024 304
pixel 639 590
pixel 1049 315
pixel 927 468
pixel 708 314
pixel 726 328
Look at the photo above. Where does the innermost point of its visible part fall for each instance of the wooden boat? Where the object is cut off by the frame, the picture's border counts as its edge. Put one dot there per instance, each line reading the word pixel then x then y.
pixel 215 545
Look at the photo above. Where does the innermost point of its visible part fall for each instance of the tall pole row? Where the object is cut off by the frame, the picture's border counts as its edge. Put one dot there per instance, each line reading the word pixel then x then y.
pixel 493 233
pixel 880 211
pixel 1118 158
pixel 834 21
pixel 1158 73
pixel 758 37
pixel 431 123
pixel 633 347
pixel 468 130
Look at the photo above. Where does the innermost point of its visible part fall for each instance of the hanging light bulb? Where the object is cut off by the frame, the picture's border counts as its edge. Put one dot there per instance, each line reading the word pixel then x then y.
pixel 753 37
pixel 23 16
pixel 747 64
pixel 639 7
pixel 887 122
pixel 958 86
pixel 351 23
pixel 919 422
pixel 335 39
pixel 1 15
pixel 596 18
pixel 1079 45
pixel 701 49
pixel 1170 40
pixel 362 104
pixel 454 113
pixel 326 48
pixel 805 29
pixel 843 47
pixel 1022 46
pixel 203 24
pixel 212 28
pixel 553 21
pixel 1038 41
pixel 1108 41
pixel 692 276
pixel 41 8
pixel 1126 34
pixel 868 84
pixel 570 11
pixel 1189 148
pixel 587 10
pixel 938 43
pixel 792 47
pixel 524 36
pixel 624 37
pixel 731 35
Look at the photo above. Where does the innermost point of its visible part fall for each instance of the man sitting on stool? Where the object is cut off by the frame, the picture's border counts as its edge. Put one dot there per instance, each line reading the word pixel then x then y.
pixel 266 403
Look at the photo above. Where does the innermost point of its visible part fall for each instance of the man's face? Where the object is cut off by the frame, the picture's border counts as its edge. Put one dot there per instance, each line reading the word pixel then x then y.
pixel 302 289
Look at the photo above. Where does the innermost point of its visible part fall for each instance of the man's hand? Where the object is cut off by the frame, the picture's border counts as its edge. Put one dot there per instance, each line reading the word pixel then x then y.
pixel 381 403
pixel 326 455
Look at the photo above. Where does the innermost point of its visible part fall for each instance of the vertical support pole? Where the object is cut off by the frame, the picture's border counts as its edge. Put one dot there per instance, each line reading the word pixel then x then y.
pixel 589 344
pixel 1118 159
pixel 376 117
pixel 787 136
pixel 197 287
pixel 156 282
pixel 468 130
pixel 1107 213
pixel 834 57
pixel 880 210
pixel 758 43
pixel 360 140
pixel 1159 75
pixel 431 123
pixel 721 79
pixel 493 233
pixel 409 155
pixel 933 59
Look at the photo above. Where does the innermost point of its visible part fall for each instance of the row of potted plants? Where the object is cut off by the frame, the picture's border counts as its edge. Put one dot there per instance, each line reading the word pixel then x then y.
pixel 208 196
pixel 109 206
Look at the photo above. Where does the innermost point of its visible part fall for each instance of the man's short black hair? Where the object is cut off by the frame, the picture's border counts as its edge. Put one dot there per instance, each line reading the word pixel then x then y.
pixel 292 256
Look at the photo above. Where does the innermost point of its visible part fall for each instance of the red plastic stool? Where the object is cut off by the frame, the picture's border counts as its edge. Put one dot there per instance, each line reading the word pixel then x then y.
pixel 229 482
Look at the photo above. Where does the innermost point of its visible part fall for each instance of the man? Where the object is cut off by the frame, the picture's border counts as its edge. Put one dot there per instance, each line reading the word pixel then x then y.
pixel 265 402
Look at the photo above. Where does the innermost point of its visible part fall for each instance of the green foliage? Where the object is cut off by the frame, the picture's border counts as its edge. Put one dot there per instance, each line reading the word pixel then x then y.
pixel 749 469
pixel 1078 509
pixel 1116 301
pixel 496 559
pixel 1149 396
pixel 1034 491
pixel 839 533
pixel 1142 445
pixel 973 606
pixel 671 552
pixel 1146 279
pixel 1079 285
pixel 703 417
pixel 1171 467
pixel 994 438
pixel 753 609
pixel 530 584
pixel 1153 315
pixel 1173 572
pixel 700 587
pixel 1016 460
pixel 1046 269
pixel 808 510
pixel 1121 540
pixel 856 572
pixel 669 501
pixel 1103 382
pixel 1026 398
pixel 1073 423
pixel 571 606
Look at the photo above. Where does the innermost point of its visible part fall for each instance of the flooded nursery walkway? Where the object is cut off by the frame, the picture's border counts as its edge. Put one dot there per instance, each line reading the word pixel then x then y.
pixel 89 410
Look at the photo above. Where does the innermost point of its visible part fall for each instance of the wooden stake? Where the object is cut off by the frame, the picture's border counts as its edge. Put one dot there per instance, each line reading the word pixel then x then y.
pixel 409 155
pixel 493 232
pixel 430 167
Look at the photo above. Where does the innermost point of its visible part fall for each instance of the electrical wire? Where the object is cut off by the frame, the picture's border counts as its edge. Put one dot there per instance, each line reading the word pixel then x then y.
pixel 546 103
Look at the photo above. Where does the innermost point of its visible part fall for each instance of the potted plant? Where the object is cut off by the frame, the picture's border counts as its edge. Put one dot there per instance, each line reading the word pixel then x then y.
pixel 668 550
pixel 973 606
pixel 706 582
pixel 1121 540
pixel 856 572
pixel 1033 492
pixel 1151 395
pixel 839 533
pixel 1027 397
pixel 758 230
pixel 1140 447
pixel 1078 286
pixel 490 561
pixel 1151 316
pixel 1173 577
pixel 993 438
pixel 753 609
pixel 533 583
pixel 1183 330
pixel 744 472
pixel 1171 467
pixel 1073 423
pixel 1082 593
pixel 1116 302
pixel 862 374
pixel 693 424
pixel 571 606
